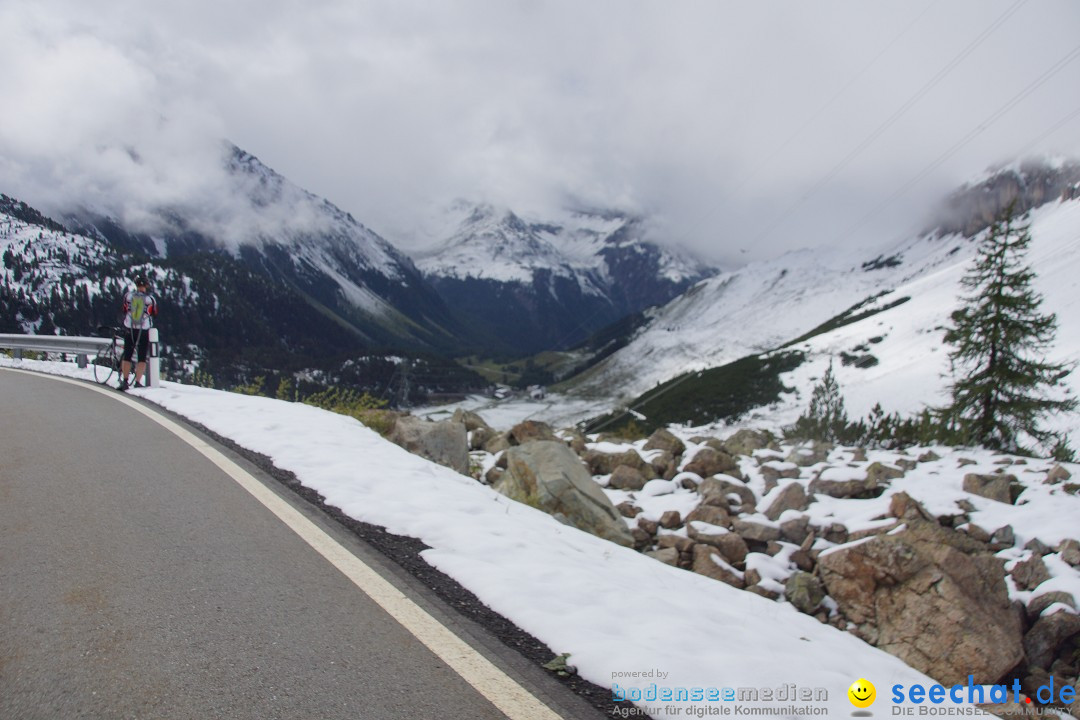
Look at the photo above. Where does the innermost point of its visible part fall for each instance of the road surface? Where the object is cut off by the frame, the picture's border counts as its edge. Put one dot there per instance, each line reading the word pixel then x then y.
pixel 138 580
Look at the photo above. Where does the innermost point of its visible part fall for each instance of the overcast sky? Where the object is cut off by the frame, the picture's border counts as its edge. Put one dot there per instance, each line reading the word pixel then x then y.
pixel 746 128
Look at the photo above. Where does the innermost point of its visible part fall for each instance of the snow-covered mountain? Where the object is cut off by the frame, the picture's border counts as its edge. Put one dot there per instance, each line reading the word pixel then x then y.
pixel 540 284
pixel 767 304
pixel 295 238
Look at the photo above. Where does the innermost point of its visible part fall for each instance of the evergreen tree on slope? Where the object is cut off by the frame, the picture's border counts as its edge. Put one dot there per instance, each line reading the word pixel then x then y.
pixel 1003 385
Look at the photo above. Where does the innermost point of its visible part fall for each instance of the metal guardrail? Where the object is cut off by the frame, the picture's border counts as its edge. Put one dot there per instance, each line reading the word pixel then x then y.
pixel 80 346
pixel 55 343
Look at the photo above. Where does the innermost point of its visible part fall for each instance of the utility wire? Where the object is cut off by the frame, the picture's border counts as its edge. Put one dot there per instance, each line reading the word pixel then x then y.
pixel 893 119
pixel 975 132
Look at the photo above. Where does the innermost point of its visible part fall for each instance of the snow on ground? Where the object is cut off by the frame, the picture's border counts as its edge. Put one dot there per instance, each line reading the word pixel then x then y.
pixel 616 611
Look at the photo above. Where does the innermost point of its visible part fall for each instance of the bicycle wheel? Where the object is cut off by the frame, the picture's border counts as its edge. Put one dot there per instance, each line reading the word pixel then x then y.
pixel 107 364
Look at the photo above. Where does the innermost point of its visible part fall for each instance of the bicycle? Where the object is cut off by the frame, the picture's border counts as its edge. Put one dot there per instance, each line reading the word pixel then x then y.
pixel 107 361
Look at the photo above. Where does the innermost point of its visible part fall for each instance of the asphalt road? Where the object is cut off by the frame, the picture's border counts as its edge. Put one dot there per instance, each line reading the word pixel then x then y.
pixel 137 580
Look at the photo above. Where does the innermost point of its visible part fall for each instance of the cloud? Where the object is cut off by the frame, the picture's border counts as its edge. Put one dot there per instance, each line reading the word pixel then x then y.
pixel 753 127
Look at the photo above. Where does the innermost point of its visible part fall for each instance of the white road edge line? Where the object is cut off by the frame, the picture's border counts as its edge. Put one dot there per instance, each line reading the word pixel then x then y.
pixel 500 689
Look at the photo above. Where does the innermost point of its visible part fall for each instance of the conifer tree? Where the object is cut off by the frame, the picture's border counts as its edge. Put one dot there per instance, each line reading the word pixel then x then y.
pixel 1003 386
pixel 826 419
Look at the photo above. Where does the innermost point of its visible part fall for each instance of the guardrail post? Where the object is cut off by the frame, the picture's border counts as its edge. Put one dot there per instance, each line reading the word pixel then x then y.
pixel 153 367
pixel 81 360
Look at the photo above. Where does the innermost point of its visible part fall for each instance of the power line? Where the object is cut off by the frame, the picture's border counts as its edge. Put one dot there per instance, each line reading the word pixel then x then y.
pixel 894 118
pixel 815 115
pixel 975 132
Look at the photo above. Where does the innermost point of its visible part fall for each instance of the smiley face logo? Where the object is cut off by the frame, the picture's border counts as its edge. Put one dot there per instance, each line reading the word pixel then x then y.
pixel 862 693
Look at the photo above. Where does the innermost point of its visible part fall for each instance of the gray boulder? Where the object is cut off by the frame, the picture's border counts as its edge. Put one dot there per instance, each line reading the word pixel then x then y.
pixel 706 563
pixel 933 597
pixel 549 476
pixel 1049 635
pixel 664 440
pixel 627 478
pixel 791 497
pixel 710 461
pixel 745 442
pixel 804 591
pixel 717 491
pixel 441 442
pixel 992 487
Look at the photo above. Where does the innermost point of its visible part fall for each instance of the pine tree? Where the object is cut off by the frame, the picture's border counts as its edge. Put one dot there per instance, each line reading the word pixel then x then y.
pixel 1002 384
pixel 826 419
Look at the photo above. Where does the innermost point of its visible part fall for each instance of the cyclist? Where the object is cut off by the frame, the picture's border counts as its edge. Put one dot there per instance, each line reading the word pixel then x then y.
pixel 140 308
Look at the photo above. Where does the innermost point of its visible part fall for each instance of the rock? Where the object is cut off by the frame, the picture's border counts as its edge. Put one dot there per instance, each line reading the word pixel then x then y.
pixel 668 556
pixel 904 507
pixel 992 487
pixel 1038 604
pixel 763 592
pixel 681 544
pixel 835 533
pixel 961 462
pixel 796 529
pixel 628 509
pixel 1048 635
pixel 649 526
pixel 576 440
pixel 707 562
pixel 732 547
pixel 671 519
pixel 664 464
pixel 642 539
pixel 1037 678
pixel 858 455
pixel 480 437
pixel 750 530
pixel 710 514
pixel 880 473
pixel 532 431
pixel 929 456
pixel 715 491
pixel 492 476
pixel 791 497
pixel 745 442
pixel 498 444
pixel 441 442
pixel 906 464
pixel 804 591
pixel 1037 547
pixel 470 420
pixel 773 471
pixel 549 476
pixel 1070 551
pixel 605 463
pixel 1057 474
pixel 709 461
pixel 626 478
pixel 863 489
pixel 932 597
pixel 810 454
pixel 664 440
pixel 1031 573
pixel 1003 537
pixel 803 560
pixel 1074 709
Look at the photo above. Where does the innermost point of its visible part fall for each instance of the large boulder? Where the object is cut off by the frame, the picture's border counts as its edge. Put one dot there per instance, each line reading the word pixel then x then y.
pixel 1049 634
pixel 441 442
pixel 710 461
pixel 792 497
pixel 1002 488
pixel 549 476
pixel 933 597
pixel 601 463
pixel 665 440
pixel 745 442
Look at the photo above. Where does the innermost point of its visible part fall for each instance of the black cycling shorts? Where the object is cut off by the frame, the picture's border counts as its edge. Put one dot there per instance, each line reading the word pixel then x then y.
pixel 136 339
